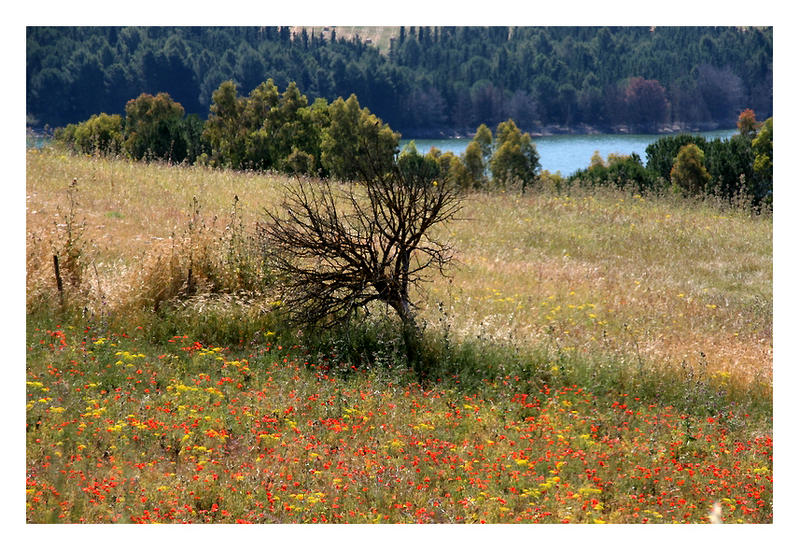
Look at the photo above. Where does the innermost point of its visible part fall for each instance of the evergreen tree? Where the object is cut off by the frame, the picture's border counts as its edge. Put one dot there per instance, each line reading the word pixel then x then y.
pixel 154 128
pixel 688 173
pixel 515 160
pixel 572 74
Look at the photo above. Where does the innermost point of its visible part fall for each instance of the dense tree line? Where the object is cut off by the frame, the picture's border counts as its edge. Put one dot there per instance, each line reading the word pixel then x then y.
pixel 273 130
pixel 432 79
pixel 737 168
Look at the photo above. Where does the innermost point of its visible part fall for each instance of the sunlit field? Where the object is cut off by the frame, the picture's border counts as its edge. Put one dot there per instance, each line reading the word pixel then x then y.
pixel 594 357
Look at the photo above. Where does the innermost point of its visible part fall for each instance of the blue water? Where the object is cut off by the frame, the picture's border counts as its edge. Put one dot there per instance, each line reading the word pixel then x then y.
pixel 36 142
pixel 563 153
pixel 567 153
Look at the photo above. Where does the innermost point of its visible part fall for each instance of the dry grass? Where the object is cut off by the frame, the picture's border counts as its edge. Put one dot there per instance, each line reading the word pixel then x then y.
pixel 379 37
pixel 666 279
pixel 140 221
pixel 654 278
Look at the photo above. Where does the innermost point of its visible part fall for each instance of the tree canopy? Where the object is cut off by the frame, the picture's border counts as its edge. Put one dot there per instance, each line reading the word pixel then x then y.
pixel 429 81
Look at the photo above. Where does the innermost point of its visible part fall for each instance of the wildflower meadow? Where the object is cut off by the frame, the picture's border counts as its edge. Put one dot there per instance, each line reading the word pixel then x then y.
pixel 590 358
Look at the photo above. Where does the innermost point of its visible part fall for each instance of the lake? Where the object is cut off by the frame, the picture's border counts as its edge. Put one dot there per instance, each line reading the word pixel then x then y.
pixel 567 153
pixel 563 153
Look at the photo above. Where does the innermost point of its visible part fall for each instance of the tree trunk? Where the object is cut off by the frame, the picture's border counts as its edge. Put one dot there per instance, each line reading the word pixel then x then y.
pixel 412 340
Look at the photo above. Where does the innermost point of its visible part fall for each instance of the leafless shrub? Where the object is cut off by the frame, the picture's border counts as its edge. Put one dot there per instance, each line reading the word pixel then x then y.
pixel 340 247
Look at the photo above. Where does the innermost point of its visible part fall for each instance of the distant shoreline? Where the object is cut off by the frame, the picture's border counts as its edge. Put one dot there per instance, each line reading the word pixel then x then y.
pixel 548 130
pixel 578 130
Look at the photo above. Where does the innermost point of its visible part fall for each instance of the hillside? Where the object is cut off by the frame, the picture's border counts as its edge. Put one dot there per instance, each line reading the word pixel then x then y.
pixel 427 81
pixel 602 357
pixel 378 37
pixel 679 279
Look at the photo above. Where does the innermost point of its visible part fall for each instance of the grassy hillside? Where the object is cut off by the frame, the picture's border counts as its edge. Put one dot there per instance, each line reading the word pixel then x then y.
pixel 379 37
pixel 596 357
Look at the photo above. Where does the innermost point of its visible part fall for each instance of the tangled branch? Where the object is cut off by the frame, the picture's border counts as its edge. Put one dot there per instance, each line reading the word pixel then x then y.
pixel 339 247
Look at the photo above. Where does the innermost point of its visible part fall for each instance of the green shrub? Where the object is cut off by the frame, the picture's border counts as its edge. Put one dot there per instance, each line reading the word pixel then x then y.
pixel 621 171
pixel 299 162
pixel 730 166
pixel 688 173
pixel 662 152
pixel 416 167
pixel 66 135
pixel 762 164
pixel 625 171
pixel 100 134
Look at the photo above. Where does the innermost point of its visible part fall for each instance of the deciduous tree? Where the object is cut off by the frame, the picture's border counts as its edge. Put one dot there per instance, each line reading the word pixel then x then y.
pixel 646 103
pixel 341 247
pixel 747 123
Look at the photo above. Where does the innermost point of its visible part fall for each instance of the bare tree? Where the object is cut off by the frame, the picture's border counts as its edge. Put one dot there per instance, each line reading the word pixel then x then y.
pixel 339 247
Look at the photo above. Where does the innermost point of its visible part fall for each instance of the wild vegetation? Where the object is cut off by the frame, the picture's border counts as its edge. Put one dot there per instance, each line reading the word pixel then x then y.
pixel 245 304
pixel 590 354
pixel 420 80
pixel 270 130
pixel 737 169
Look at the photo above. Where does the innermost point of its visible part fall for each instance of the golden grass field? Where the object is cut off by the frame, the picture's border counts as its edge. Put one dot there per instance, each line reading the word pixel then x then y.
pixel 665 279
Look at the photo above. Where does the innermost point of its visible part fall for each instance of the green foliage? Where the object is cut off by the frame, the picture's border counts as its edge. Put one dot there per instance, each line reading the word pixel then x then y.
pixel 475 164
pixel 224 129
pixel 196 145
pixel 515 160
pixel 483 138
pixel 453 166
pixel 290 126
pixel 154 128
pixel 730 165
pixel 688 172
pixel 762 146
pixel 65 135
pixel 662 152
pixel 596 174
pixel 762 165
pixel 416 167
pixel 621 171
pixel 299 162
pixel 355 137
pixel 552 181
pixel 101 134
pixel 266 129
pixel 441 78
pixel 627 170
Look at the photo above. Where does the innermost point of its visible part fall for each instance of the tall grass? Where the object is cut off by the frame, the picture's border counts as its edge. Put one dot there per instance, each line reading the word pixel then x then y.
pixel 589 357
pixel 656 279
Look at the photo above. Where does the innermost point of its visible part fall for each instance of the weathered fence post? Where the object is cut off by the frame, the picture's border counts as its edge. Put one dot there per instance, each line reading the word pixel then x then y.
pixel 59 281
